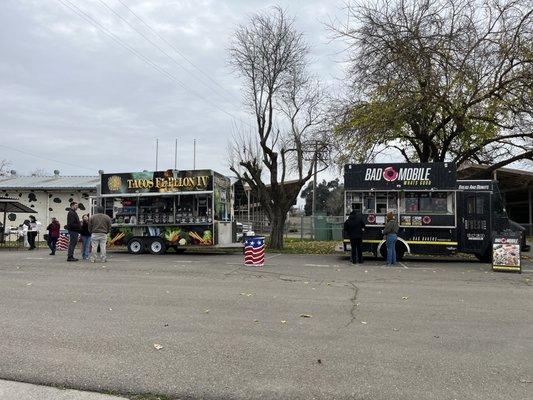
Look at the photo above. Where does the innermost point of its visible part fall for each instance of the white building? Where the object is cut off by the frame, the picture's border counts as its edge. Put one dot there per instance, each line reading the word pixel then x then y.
pixel 49 196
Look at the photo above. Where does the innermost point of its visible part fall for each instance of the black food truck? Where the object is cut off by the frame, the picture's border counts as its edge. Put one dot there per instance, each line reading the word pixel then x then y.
pixel 437 213
pixel 156 211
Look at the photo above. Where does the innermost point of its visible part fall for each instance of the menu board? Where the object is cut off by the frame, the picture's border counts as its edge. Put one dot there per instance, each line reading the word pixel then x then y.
pixel 506 254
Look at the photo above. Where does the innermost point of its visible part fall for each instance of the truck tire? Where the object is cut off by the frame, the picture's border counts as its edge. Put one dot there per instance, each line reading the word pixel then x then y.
pixel 400 251
pixel 485 257
pixel 157 246
pixel 136 246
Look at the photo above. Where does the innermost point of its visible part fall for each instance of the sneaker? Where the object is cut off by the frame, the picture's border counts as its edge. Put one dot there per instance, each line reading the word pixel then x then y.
pixel 92 260
pixel 72 259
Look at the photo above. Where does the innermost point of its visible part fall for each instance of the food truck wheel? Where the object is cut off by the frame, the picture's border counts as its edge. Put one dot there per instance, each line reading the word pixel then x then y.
pixel 135 246
pixel 400 251
pixel 486 257
pixel 157 246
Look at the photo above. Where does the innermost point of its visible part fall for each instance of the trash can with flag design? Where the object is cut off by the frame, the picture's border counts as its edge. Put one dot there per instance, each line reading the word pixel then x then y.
pixel 254 251
pixel 62 241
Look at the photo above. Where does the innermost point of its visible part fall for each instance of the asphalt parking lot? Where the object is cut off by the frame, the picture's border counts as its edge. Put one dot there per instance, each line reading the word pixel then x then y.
pixel 302 327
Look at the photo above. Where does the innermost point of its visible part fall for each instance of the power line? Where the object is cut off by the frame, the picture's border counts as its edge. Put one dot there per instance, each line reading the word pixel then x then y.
pixel 46 159
pixel 87 17
pixel 168 43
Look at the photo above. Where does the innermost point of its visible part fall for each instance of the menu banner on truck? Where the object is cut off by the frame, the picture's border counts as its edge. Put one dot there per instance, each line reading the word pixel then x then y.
pixel 506 254
pixel 441 176
pixel 169 181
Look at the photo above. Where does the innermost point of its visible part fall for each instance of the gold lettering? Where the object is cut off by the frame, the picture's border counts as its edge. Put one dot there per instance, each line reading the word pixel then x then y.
pixel 160 183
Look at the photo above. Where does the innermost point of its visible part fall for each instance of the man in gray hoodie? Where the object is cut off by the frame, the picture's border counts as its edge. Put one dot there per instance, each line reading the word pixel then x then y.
pixel 99 227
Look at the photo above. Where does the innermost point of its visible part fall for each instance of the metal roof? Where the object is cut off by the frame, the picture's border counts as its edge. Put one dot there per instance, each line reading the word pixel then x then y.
pixel 54 182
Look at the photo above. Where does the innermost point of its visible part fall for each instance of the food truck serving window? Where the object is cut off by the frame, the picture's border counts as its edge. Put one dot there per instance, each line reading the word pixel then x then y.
pixel 372 202
pixel 427 203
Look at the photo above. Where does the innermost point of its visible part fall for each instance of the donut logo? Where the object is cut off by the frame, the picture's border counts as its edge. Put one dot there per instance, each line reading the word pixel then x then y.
pixel 426 219
pixel 371 219
pixel 390 174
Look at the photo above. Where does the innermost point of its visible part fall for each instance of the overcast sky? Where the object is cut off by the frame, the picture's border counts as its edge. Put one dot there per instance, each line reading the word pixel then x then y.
pixel 69 92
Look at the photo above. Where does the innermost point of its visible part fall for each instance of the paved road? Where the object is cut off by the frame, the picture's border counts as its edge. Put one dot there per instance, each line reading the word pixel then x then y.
pixel 426 330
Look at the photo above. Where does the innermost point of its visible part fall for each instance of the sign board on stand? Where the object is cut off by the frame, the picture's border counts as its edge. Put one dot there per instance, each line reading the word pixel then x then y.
pixel 506 253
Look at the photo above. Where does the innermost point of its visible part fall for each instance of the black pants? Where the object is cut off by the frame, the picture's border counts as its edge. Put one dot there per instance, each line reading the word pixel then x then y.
pixel 52 243
pixel 357 250
pixel 72 242
pixel 31 239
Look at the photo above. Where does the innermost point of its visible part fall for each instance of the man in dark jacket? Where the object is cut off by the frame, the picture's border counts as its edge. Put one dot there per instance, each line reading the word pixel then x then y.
pixel 73 227
pixel 353 229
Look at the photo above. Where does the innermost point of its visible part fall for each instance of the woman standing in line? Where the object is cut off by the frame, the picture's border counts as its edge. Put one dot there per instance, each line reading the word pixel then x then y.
pixel 390 231
pixel 54 229
pixel 85 237
pixel 32 232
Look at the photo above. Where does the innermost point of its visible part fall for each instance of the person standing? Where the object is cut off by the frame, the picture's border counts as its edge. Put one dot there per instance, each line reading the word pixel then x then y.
pixel 73 227
pixel 53 235
pixel 390 232
pixel 99 226
pixel 353 228
pixel 23 232
pixel 33 229
pixel 85 237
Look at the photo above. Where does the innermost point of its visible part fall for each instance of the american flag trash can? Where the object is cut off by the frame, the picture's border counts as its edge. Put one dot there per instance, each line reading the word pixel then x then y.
pixel 254 251
pixel 62 242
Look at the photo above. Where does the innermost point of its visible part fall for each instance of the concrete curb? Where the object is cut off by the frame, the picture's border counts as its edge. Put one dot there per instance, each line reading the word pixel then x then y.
pixel 10 390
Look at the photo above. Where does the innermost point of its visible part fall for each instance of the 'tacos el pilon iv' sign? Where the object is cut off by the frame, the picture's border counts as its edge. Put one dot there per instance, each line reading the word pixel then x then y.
pixel 157 182
pixel 440 176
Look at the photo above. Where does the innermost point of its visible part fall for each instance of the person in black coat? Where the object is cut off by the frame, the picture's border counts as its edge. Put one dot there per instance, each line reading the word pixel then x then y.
pixel 353 229
pixel 73 226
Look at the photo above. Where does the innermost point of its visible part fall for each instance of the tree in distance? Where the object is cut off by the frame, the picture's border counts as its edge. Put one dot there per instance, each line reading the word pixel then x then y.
pixel 329 197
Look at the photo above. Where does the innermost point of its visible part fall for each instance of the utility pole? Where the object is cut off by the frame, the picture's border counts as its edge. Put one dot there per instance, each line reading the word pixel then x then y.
pixel 156 153
pixel 176 154
pixel 315 160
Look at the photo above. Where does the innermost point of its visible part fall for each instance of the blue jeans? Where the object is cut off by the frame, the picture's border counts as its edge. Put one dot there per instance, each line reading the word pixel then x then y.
pixel 86 247
pixel 52 244
pixel 391 248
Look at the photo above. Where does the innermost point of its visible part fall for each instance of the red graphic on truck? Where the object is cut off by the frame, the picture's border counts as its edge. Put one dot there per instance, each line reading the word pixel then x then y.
pixel 390 174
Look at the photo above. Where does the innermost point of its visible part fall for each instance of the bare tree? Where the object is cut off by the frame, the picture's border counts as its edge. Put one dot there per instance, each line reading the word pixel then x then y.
pixel 276 157
pixel 439 80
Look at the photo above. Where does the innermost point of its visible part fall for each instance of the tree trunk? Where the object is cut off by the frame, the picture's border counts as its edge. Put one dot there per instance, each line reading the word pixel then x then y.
pixel 276 234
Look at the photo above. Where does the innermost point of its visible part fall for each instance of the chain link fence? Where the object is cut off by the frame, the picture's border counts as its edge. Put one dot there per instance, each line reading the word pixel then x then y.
pixel 325 228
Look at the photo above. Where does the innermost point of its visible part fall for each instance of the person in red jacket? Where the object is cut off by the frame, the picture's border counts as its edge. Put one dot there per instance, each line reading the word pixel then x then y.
pixel 53 235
